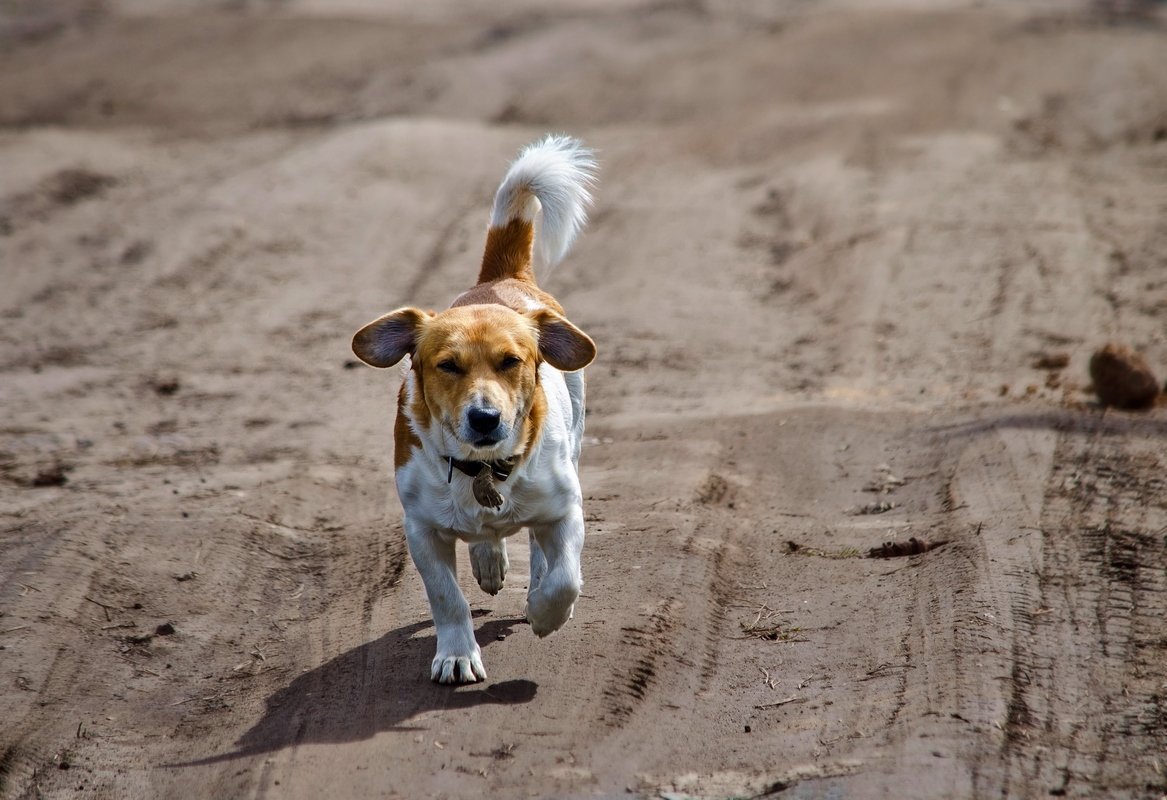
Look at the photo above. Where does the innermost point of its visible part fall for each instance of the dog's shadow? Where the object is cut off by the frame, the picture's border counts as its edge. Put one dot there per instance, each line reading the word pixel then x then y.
pixel 378 686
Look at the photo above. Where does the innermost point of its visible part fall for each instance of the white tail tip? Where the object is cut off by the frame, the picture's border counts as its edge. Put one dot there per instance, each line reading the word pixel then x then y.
pixel 559 172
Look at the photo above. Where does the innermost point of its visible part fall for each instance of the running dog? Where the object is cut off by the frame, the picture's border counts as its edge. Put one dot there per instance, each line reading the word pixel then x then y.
pixel 490 415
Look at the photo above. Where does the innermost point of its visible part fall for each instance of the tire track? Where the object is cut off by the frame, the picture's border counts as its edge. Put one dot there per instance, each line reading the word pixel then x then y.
pixel 37 748
pixel 1097 693
pixel 646 645
pixel 367 563
pixel 30 744
pixel 387 556
pixel 684 628
pixel 967 666
pixel 719 586
pixel 437 256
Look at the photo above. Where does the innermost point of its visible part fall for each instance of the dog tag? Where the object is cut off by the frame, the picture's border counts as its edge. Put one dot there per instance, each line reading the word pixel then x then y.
pixel 484 491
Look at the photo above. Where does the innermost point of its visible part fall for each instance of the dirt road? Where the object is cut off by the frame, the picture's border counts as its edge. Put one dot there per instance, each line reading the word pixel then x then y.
pixel 831 246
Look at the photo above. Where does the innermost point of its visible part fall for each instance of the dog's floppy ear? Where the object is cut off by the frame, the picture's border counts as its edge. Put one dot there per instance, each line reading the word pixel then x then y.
pixel 561 344
pixel 388 339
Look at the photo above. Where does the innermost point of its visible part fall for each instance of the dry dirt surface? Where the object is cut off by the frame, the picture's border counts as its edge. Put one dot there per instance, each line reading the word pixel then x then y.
pixel 846 270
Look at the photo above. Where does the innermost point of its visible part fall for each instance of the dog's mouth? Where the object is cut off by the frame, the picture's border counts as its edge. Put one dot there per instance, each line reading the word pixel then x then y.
pixel 486 441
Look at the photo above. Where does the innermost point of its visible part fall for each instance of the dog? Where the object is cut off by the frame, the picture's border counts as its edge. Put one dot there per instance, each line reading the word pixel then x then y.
pixel 490 415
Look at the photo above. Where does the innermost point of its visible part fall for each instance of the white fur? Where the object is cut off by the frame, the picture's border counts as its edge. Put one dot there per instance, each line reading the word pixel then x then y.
pixel 558 171
pixel 542 494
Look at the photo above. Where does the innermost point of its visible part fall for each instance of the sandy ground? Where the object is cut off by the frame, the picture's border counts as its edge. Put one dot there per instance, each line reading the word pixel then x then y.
pixel 833 242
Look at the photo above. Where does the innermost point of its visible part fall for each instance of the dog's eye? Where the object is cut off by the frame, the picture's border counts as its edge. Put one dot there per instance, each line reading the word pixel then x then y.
pixel 450 367
pixel 510 362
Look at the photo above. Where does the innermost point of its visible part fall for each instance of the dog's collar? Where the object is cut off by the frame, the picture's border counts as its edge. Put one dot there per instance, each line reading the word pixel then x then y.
pixel 500 469
pixel 482 472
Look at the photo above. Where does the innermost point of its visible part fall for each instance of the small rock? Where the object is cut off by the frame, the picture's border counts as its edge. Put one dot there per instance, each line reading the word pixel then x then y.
pixel 166 386
pixel 52 476
pixel 1052 361
pixel 1122 378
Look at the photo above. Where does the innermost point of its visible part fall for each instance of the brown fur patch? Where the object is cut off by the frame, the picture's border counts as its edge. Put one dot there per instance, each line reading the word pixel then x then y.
pixel 419 409
pixel 508 252
pixel 517 295
pixel 405 441
pixel 534 420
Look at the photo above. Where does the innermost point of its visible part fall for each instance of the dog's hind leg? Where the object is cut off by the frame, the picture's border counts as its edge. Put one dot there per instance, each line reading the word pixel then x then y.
pixel 489 562
pixel 459 659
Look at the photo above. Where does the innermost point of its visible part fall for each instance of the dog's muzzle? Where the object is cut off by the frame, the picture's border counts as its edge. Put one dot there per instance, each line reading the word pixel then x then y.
pixel 485 426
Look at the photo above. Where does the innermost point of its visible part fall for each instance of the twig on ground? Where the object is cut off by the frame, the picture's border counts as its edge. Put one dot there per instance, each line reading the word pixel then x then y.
pixel 787 701
pixel 104 607
pixel 763 628
pixel 883 670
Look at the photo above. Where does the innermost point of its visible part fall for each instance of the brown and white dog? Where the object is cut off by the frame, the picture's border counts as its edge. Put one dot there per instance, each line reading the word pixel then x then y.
pixel 490 415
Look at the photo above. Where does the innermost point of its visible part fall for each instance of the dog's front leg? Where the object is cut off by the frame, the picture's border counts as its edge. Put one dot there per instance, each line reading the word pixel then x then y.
pixel 551 599
pixel 459 659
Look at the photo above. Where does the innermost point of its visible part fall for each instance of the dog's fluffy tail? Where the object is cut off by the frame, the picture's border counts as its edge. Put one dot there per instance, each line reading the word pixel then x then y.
pixel 554 174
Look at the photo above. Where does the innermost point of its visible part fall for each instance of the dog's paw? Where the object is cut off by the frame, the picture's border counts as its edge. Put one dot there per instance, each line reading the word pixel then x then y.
pixel 458 668
pixel 547 611
pixel 489 562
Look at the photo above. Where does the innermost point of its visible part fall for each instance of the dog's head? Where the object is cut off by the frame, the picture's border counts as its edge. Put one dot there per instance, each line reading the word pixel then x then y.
pixel 476 367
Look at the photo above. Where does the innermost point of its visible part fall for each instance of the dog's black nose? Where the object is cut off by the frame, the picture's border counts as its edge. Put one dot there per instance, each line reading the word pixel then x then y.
pixel 483 420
